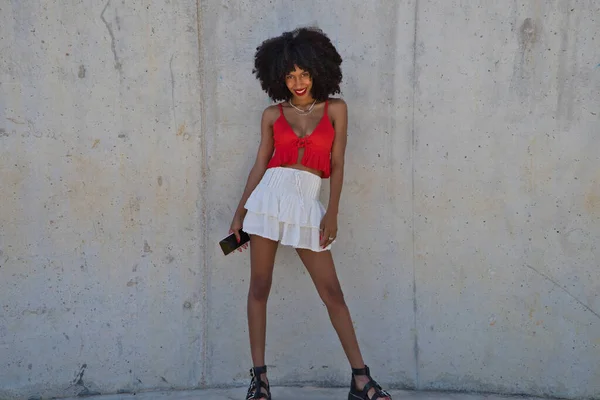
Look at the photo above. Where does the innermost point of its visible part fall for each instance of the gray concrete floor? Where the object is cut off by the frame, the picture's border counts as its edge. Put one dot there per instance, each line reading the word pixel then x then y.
pixel 294 393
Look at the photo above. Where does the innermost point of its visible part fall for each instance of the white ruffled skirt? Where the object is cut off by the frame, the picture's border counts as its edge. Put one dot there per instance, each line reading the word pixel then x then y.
pixel 285 207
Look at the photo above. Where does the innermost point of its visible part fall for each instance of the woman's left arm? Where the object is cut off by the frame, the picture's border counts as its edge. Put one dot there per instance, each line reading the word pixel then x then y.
pixel 339 116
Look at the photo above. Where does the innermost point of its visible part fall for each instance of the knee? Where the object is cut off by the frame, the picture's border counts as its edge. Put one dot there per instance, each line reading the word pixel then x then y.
pixel 332 295
pixel 259 289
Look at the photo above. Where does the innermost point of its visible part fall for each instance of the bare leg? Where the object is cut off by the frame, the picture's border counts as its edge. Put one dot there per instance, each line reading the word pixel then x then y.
pixel 321 268
pixel 262 260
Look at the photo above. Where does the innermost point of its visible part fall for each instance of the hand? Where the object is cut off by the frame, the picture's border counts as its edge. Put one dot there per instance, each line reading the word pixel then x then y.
pixel 236 226
pixel 328 231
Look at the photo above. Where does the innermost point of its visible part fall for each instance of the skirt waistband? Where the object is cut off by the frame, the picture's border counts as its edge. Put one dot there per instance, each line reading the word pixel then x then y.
pixel 290 180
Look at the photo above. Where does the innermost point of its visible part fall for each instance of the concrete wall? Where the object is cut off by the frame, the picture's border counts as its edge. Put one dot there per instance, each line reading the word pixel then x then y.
pixel 469 224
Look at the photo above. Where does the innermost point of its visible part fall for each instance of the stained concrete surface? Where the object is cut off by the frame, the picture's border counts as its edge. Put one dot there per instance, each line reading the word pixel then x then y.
pixel 297 393
pixel 469 222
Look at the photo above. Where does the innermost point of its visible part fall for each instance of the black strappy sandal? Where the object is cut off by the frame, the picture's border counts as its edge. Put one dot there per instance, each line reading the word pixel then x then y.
pixel 256 384
pixel 356 394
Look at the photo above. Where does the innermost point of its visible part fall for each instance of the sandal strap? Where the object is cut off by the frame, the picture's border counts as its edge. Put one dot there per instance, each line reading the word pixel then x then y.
pixel 262 384
pixel 258 396
pixel 372 384
pixel 254 391
pixel 379 392
pixel 361 371
pixel 258 371
pixel 364 392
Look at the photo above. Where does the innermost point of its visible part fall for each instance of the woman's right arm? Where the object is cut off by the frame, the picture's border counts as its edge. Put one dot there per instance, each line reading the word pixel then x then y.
pixel 265 151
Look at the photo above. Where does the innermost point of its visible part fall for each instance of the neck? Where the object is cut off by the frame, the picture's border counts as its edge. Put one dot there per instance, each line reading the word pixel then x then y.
pixel 301 102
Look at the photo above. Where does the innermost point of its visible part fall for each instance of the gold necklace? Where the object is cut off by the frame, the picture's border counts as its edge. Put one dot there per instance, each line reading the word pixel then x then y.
pixel 301 111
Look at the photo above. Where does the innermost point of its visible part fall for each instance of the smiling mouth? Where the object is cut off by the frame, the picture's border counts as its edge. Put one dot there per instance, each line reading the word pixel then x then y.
pixel 300 92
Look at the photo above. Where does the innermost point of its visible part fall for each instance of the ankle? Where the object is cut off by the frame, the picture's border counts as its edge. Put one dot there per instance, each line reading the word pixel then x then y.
pixel 260 372
pixel 356 367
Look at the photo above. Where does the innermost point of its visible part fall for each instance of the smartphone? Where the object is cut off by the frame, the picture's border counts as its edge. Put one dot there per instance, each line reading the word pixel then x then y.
pixel 230 244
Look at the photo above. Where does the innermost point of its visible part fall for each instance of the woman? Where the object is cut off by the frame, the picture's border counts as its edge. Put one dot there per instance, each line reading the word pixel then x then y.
pixel 303 140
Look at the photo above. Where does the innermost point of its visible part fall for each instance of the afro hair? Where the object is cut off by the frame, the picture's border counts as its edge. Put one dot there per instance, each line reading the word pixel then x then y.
pixel 309 49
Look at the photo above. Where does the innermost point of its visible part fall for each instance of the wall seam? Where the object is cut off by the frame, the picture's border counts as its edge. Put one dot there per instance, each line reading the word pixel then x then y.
pixel 203 186
pixel 412 159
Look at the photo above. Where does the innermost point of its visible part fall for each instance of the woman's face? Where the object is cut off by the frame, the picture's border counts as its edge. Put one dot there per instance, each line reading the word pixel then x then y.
pixel 299 83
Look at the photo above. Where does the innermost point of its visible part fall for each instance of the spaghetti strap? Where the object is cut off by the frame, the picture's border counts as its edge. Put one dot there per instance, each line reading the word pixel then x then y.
pixel 280 108
pixel 326 103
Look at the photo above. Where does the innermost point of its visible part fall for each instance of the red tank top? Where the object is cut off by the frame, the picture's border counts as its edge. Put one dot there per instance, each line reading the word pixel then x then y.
pixel 317 145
